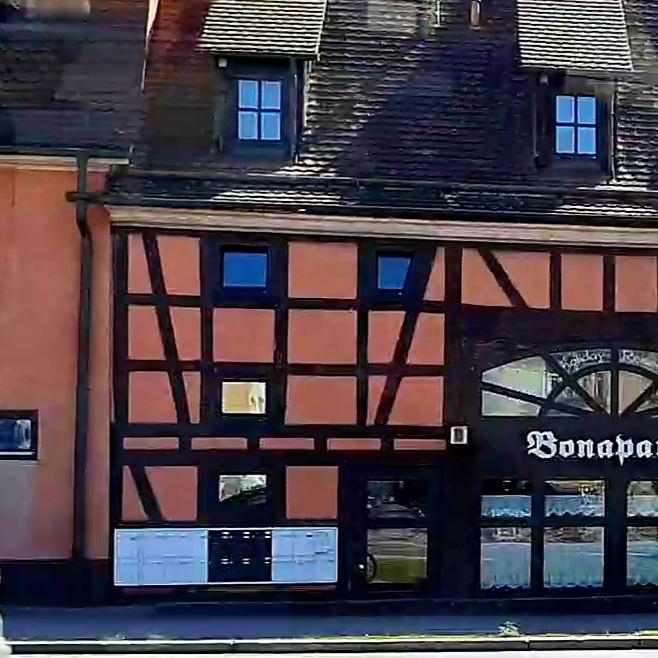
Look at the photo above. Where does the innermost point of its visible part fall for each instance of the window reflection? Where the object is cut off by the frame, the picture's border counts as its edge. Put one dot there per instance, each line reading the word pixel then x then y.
pixel 243 398
pixel 397 499
pixel 576 360
pixel 640 358
pixel 566 498
pixel 248 490
pixel 643 498
pixel 397 555
pixel 506 499
pixel 573 557
pixel 505 558
pixel 494 404
pixel 530 376
pixel 642 556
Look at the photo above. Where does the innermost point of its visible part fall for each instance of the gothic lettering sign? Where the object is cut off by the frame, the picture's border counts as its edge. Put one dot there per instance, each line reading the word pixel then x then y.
pixel 545 445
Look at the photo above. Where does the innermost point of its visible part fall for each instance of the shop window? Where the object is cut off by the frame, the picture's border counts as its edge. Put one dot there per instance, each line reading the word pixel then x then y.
pixel 397 556
pixel 642 498
pixel 18 434
pixel 392 271
pixel 642 536
pixel 506 499
pixel 505 556
pixel 243 398
pixel 573 383
pixel 244 268
pixel 248 490
pixel 573 557
pixel 642 556
pixel 569 498
pixel 569 537
pixel 400 499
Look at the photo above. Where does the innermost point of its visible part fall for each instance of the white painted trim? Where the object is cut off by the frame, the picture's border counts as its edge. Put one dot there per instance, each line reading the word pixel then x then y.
pixel 57 163
pixel 521 233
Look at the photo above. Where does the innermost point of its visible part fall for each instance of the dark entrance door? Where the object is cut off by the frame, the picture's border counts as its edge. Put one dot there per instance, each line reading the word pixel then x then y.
pixel 391 537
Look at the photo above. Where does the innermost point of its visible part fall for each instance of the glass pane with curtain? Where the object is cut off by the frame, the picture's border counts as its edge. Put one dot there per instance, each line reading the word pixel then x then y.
pixel 566 498
pixel 642 498
pixel 511 499
pixel 505 555
pixel 642 556
pixel 573 557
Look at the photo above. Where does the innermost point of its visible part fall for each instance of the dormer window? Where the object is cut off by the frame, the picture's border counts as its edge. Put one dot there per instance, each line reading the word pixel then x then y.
pixel 574 132
pixel 260 110
pixel 576 126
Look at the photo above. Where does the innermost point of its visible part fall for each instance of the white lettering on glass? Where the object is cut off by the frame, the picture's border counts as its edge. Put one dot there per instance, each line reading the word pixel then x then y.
pixel 543 444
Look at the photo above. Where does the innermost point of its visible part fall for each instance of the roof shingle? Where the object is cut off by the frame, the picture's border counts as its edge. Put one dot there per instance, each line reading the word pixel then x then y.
pixel 574 35
pixel 264 27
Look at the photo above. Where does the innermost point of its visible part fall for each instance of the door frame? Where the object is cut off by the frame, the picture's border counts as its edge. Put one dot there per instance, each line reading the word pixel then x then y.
pixel 354 525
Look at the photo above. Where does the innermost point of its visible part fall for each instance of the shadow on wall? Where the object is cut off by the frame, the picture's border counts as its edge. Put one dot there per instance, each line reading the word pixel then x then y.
pixel 70 72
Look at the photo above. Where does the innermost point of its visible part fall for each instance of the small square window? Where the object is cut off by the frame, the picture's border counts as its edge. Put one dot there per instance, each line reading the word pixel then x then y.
pixel 244 398
pixel 17 436
pixel 392 271
pixel 244 269
pixel 248 490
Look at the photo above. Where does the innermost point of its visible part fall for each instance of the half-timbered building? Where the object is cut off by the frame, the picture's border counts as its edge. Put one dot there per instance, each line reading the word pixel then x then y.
pixel 384 299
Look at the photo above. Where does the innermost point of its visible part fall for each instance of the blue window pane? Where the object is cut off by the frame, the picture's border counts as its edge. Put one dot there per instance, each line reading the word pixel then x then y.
pixel 248 94
pixel 392 272
pixel 564 109
pixel 248 125
pixel 270 126
pixel 565 139
pixel 271 95
pixel 587 110
pixel 587 141
pixel 244 269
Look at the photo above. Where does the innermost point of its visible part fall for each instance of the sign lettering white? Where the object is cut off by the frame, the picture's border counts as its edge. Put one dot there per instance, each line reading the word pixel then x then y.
pixel 545 445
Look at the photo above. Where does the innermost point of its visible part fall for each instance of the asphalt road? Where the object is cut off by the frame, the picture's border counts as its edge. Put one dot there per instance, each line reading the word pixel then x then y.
pixel 648 653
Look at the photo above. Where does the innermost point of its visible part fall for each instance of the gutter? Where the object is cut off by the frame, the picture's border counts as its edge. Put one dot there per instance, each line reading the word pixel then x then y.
pixel 82 391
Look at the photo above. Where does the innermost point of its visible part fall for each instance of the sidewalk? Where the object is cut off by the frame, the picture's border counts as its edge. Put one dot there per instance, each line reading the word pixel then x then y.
pixel 207 621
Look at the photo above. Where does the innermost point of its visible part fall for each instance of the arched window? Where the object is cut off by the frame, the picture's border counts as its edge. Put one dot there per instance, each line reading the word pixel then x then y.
pixel 615 382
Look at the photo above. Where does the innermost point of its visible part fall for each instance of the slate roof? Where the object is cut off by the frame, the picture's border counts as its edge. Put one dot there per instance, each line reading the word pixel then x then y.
pixel 574 35
pixel 264 27
pixel 396 98
pixel 73 83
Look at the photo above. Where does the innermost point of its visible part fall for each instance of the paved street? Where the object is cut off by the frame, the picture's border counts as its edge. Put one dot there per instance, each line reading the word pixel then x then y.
pixel 469 654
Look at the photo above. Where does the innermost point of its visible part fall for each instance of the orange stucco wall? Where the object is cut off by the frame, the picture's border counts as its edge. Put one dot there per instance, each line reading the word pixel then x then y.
pixel 39 287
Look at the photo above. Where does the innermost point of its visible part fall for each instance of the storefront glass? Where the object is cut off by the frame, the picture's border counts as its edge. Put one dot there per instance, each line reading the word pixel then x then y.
pixel 573 557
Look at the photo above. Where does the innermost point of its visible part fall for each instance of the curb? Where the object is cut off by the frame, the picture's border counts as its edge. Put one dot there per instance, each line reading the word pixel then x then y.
pixel 338 645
